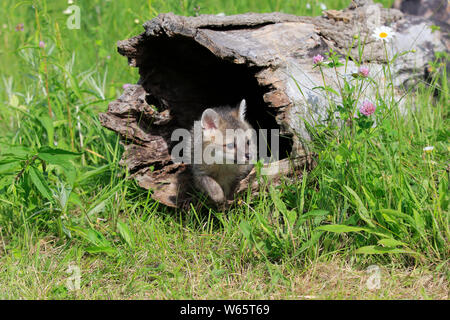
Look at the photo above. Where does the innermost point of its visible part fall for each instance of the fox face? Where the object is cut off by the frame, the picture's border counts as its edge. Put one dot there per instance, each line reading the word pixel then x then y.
pixel 227 137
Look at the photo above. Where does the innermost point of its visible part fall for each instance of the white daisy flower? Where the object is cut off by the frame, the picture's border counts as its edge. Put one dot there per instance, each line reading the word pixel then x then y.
pixel 323 6
pixel 308 6
pixel 428 149
pixel 383 33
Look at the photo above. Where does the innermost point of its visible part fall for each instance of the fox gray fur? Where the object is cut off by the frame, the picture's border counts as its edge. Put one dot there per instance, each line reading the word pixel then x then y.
pixel 218 180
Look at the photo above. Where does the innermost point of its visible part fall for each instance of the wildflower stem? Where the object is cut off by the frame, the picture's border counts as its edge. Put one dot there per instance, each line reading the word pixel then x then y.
pixel 44 61
pixel 349 54
pixel 390 72
pixel 391 83
pixel 358 95
pixel 338 82
pixel 325 85
pixel 66 91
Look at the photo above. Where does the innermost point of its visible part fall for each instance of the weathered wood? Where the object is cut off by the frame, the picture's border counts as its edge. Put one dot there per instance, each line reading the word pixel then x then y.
pixel 187 64
pixel 436 10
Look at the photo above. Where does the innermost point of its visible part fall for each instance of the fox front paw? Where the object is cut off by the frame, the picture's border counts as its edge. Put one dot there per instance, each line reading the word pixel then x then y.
pixel 216 193
pixel 212 188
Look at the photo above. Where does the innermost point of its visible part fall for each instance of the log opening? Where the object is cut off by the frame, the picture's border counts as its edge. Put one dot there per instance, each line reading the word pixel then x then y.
pixel 184 78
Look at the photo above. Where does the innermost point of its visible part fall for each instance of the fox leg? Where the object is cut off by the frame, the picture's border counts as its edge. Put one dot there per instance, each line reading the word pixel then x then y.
pixel 212 188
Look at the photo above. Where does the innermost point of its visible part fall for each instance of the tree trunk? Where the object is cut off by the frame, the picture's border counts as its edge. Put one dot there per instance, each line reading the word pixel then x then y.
pixel 187 64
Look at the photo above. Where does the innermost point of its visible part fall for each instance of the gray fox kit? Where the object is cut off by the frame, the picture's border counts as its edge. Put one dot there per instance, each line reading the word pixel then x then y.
pixel 231 150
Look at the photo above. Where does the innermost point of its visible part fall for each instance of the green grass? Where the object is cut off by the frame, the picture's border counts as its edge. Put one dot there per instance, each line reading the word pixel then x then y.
pixel 76 207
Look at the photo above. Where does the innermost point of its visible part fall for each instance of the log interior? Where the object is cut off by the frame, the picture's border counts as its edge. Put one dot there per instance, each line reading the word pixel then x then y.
pixel 185 78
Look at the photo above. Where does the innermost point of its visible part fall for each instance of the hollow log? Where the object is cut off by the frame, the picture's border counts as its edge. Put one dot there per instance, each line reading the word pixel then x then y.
pixel 188 64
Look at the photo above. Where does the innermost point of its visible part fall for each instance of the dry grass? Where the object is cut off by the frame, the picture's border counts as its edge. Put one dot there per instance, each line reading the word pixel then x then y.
pixel 43 276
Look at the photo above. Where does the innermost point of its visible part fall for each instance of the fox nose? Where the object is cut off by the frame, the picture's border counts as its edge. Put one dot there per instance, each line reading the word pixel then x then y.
pixel 247 156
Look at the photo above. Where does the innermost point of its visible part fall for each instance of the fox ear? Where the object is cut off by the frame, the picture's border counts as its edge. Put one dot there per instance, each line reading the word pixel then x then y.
pixel 242 110
pixel 210 119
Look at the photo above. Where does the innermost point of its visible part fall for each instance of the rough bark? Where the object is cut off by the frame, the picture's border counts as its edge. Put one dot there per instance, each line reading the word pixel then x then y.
pixel 187 64
pixel 436 10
